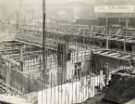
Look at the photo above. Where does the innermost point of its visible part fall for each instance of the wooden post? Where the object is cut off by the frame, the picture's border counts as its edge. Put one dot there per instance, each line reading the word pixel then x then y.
pixel 44 75
pixel 101 80
pixel 62 60
pixel 125 36
pixel 107 33
pixel 107 74
pixel 8 75
pixel 21 58
pixel 133 49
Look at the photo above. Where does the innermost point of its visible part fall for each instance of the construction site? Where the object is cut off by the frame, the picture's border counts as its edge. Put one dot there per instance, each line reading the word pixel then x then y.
pixel 76 52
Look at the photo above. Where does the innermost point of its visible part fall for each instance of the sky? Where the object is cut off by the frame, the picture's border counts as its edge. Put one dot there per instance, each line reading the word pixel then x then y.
pixel 8 8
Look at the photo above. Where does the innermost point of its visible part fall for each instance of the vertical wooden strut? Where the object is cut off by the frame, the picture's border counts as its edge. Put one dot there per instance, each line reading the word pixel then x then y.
pixel 107 33
pixel 125 37
pixel 44 36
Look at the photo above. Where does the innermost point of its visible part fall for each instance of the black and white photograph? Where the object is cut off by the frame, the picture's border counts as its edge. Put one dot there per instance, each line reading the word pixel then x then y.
pixel 67 51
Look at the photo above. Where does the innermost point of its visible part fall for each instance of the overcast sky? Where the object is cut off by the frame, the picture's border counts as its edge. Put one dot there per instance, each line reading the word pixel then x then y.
pixel 9 7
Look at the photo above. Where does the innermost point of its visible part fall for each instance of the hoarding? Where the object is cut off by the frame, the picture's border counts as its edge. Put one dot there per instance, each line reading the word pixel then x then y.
pixel 114 9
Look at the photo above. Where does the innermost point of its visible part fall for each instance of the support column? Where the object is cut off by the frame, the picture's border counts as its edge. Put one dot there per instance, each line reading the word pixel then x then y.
pixel 101 80
pixel 62 61
pixel 125 36
pixel 107 74
pixel 133 49
pixel 107 33
pixel 21 58
pixel 8 75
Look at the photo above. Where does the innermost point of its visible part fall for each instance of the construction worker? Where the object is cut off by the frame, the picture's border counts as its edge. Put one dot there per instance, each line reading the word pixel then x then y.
pixel 78 70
